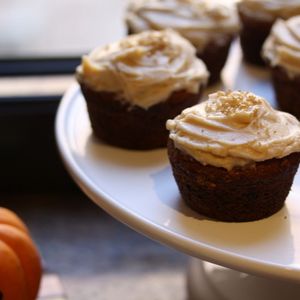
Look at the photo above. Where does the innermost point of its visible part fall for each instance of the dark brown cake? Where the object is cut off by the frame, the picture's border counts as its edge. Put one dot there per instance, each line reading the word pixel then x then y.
pixel 242 194
pixel 118 123
pixel 257 19
pixel 134 85
pixel 254 31
pixel 214 56
pixel 287 91
pixel 281 51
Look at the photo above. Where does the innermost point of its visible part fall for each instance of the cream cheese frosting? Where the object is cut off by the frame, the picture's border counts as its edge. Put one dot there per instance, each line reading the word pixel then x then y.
pixel 199 21
pixel 233 129
pixel 144 69
pixel 282 47
pixel 272 9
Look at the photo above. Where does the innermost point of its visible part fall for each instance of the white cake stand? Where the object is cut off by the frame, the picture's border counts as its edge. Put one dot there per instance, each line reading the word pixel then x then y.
pixel 138 189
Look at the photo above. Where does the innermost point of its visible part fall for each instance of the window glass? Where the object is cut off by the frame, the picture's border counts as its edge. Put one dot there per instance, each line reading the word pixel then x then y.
pixel 55 28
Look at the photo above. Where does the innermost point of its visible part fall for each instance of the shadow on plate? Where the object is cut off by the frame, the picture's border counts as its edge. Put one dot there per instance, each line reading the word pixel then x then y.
pixel 97 150
pixel 262 236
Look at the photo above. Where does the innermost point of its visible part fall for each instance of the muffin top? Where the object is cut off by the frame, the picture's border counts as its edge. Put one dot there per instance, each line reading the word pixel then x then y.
pixel 234 129
pixel 270 9
pixel 282 47
pixel 199 21
pixel 144 69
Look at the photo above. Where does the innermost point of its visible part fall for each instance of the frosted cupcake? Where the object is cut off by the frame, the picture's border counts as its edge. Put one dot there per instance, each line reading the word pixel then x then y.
pixel 133 86
pixel 233 156
pixel 282 53
pixel 257 18
pixel 209 25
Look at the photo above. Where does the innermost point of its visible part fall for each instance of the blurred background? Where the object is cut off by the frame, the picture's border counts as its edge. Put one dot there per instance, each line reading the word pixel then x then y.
pixel 41 43
pixel 86 253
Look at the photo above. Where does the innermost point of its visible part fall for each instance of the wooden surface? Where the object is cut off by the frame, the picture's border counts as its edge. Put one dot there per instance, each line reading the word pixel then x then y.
pixel 94 256
pixel 35 86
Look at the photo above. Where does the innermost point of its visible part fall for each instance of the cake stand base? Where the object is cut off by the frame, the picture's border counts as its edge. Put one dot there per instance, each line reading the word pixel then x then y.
pixel 207 281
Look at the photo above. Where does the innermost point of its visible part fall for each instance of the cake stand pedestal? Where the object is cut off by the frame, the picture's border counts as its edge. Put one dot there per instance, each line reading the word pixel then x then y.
pixel 207 281
pixel 138 189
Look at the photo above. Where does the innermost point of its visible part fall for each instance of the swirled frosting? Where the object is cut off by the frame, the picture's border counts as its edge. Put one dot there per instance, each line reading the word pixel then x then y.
pixel 271 9
pixel 282 47
pixel 144 69
pixel 199 21
pixel 233 129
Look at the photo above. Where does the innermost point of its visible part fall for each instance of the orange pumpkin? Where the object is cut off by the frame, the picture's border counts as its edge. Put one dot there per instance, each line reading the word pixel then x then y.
pixel 12 280
pixel 20 264
pixel 10 218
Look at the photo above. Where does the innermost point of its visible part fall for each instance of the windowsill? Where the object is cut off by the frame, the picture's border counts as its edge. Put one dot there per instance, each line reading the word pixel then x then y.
pixel 30 160
pixel 34 86
pixel 38 66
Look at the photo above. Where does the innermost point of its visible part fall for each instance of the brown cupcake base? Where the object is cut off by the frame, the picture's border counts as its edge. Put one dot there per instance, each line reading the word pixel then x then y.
pixel 239 195
pixel 214 56
pixel 254 31
pixel 118 123
pixel 287 91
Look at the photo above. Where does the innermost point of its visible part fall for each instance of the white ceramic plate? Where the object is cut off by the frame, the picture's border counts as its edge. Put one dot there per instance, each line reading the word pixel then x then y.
pixel 138 189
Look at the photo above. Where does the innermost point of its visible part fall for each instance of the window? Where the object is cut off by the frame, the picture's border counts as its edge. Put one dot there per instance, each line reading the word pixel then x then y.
pixel 41 42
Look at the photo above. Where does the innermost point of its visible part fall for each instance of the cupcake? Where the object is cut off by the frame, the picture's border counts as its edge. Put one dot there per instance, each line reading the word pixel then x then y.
pixel 282 53
pixel 209 25
pixel 257 18
pixel 133 86
pixel 233 156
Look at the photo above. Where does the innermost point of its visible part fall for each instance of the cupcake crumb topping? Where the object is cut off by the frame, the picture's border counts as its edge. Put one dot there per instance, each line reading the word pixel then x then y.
pixel 200 21
pixel 144 69
pixel 235 128
pixel 242 106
